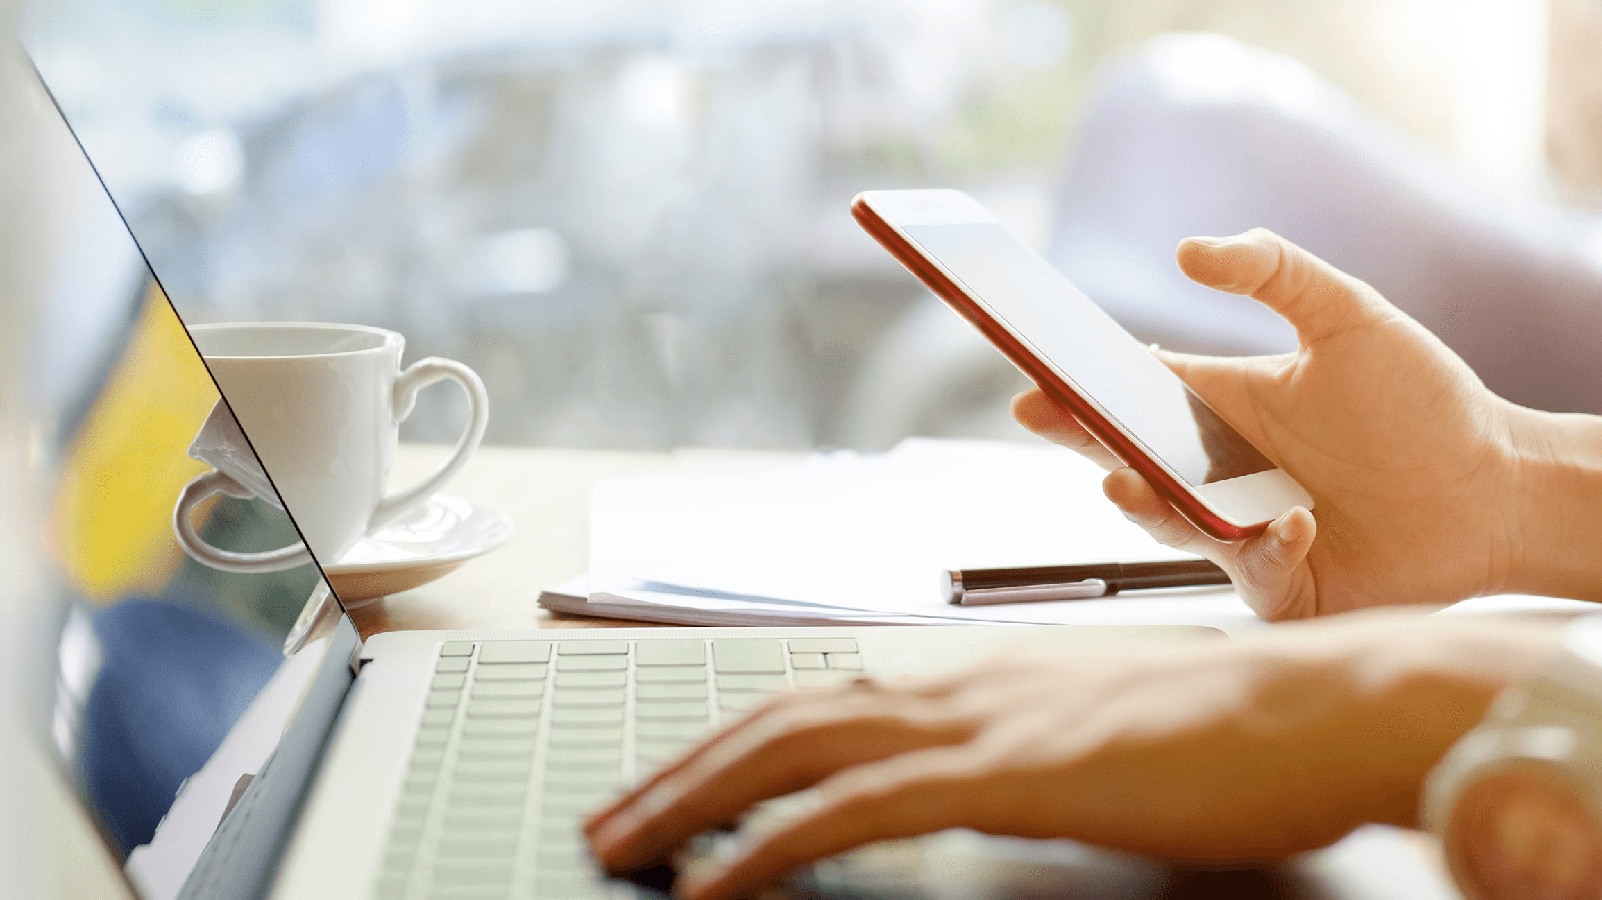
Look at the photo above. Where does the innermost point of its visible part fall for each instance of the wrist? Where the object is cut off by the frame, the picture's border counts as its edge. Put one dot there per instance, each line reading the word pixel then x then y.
pixel 1555 532
pixel 1372 700
pixel 1427 682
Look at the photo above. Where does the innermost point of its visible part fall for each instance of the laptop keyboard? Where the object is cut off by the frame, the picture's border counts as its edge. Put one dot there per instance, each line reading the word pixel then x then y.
pixel 519 740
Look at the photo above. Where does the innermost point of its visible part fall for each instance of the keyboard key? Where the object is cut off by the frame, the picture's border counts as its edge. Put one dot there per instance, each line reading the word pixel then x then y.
pixel 449 682
pixel 747 655
pixel 510 771
pixel 687 675
pixel 582 680
pixel 472 801
pixel 670 731
pixel 436 717
pixel 443 699
pixel 583 781
pixel 501 847
pixel 412 803
pixel 592 664
pixel 398 860
pixel 807 661
pixel 420 779
pixel 584 716
pixel 593 648
pixel 494 820
pixel 822 645
pixel 579 802
pixel 420 784
pixel 686 711
pixel 646 693
pixel 669 652
pixel 566 886
pixel 456 648
pixel 734 702
pixel 508 689
pixel 427 757
pixel 584 757
pixel 557 859
pixel 574 736
pixel 433 737
pixel 486 872
pixel 498 727
pixel 557 834
pixel 503 708
pixel 509 672
pixel 566 765
pixel 752 682
pixel 497 747
pixel 590 697
pixel 466 892
pixel 848 661
pixel 654 756
pixel 452 664
pixel 822 679
pixel 405 832
pixel 678 745
pixel 498 652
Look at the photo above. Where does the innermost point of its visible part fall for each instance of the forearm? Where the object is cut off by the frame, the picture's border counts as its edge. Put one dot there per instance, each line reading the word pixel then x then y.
pixel 1557 527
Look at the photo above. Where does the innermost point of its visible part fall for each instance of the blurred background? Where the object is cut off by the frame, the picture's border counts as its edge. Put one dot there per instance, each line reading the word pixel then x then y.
pixel 630 216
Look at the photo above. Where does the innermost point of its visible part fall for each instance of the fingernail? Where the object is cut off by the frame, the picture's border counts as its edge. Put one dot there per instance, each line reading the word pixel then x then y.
pixel 611 835
pixel 701 869
pixel 1284 531
pixel 1212 242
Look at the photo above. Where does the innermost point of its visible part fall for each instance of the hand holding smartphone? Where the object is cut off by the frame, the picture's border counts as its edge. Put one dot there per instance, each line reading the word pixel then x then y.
pixel 1082 359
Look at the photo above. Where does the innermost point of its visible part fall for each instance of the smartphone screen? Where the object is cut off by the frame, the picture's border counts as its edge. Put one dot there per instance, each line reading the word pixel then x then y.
pixel 1086 347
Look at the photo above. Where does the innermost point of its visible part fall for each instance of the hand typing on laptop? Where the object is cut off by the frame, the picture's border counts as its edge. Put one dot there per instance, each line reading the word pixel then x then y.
pixel 1219 752
pixel 1428 487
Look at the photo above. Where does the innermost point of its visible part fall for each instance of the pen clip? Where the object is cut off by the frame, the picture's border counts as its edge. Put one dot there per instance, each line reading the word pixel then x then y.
pixel 1072 590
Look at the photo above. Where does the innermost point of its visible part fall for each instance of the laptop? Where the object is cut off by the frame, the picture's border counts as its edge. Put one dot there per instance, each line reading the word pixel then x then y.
pixel 410 765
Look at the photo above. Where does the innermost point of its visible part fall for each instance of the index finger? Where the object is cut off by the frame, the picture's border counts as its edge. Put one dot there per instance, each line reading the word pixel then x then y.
pixel 1041 415
pixel 1318 299
pixel 789 753
pixel 919 793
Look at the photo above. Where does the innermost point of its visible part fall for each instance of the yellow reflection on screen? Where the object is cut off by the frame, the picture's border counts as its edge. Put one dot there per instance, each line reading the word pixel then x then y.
pixel 113 531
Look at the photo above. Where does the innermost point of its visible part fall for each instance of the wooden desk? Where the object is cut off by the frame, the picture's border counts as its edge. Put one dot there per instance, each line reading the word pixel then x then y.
pixel 547 495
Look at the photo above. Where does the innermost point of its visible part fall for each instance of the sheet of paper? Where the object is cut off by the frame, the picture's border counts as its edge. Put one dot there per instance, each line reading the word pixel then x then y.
pixel 877 532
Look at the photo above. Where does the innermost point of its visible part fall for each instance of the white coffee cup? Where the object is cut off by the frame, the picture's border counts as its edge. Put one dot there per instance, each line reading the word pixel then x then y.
pixel 322 406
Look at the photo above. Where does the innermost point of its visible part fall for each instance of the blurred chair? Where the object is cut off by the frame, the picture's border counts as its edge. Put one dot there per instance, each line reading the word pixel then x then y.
pixel 1199 134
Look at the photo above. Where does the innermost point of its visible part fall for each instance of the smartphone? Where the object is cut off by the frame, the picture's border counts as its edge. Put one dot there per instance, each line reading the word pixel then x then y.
pixel 1083 359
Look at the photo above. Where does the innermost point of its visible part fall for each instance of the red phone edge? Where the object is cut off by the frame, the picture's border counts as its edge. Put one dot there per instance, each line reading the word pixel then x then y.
pixel 1061 392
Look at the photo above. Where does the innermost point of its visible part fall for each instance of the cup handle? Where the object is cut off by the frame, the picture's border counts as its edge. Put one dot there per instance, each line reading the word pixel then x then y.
pixel 183 527
pixel 417 376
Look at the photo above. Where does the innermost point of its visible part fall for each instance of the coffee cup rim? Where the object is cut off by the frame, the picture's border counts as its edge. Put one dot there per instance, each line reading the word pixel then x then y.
pixel 388 339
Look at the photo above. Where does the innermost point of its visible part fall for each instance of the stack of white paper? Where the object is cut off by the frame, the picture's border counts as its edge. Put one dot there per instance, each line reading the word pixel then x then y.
pixel 848 537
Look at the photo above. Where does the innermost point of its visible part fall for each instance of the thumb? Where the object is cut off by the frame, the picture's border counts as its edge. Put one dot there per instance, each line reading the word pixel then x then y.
pixel 1314 296
pixel 1268 568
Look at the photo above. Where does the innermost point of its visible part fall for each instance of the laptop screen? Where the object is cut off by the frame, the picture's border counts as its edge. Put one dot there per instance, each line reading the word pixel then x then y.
pixel 148 657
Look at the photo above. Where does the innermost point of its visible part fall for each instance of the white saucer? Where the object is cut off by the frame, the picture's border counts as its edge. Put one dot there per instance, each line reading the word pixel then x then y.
pixel 422 545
